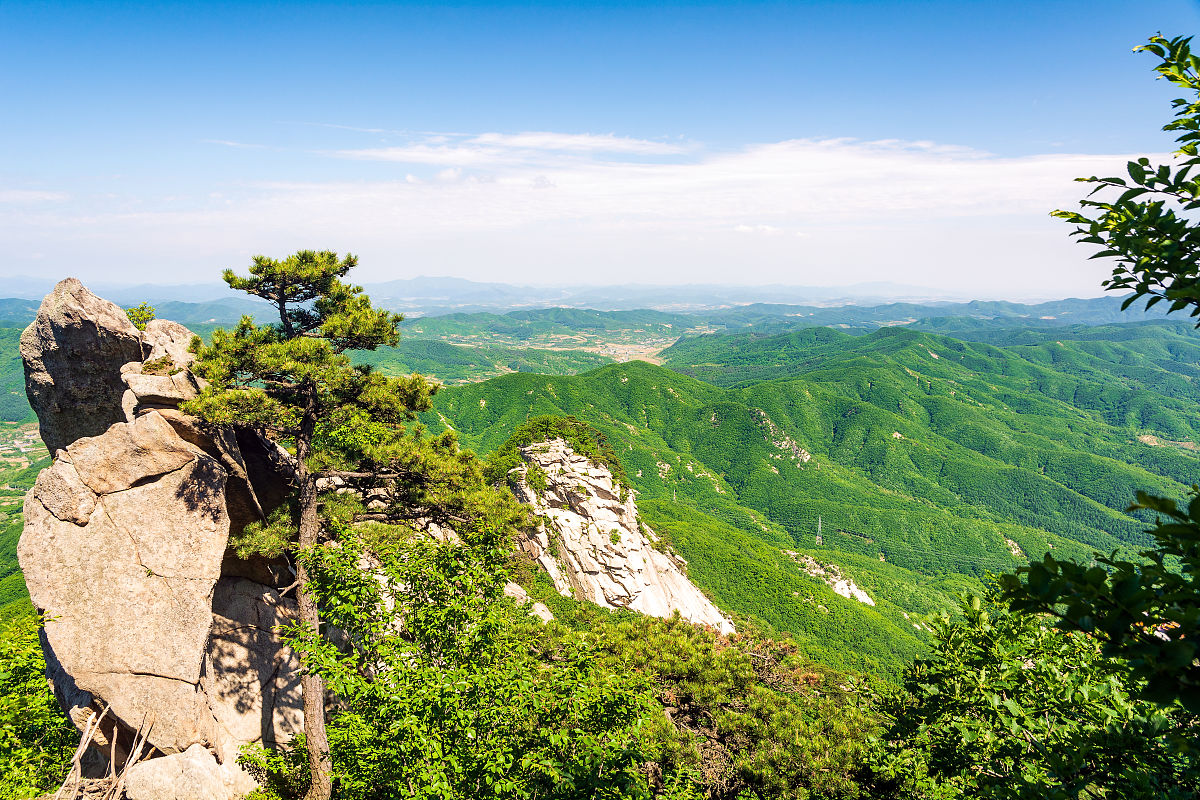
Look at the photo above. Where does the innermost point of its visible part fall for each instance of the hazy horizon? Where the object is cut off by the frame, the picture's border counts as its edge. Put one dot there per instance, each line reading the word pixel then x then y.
pixel 544 294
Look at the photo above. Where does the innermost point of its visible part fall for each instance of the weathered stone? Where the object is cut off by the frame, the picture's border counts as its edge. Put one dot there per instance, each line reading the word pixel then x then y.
pixel 162 390
pixel 73 352
pixel 517 592
pixel 129 404
pixel 593 546
pixel 541 611
pixel 167 338
pixel 241 499
pixel 521 597
pixel 125 549
pixel 253 679
pixel 130 453
pixel 128 596
pixel 191 775
pixel 63 493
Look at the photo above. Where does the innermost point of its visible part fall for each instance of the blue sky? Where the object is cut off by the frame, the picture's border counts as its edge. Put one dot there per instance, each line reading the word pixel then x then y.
pixel 805 143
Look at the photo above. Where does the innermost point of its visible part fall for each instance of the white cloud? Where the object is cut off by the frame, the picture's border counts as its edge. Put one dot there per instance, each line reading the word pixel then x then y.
pixel 502 149
pixel 228 143
pixel 580 143
pixel 431 154
pixel 626 210
pixel 30 196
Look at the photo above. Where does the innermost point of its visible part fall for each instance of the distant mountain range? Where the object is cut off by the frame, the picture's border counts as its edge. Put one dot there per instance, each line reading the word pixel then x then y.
pixel 429 296
pixel 914 461
pixel 864 305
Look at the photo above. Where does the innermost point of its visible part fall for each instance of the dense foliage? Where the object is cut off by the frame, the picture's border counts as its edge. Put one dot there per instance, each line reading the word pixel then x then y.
pixel 1008 706
pixel 448 691
pixel 1146 611
pixel 440 696
pixel 748 716
pixel 36 741
pixel 584 439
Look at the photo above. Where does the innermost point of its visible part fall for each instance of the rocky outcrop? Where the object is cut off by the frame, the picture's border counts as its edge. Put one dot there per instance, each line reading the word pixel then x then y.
pixel 832 576
pixel 125 550
pixel 593 545
pixel 170 340
pixel 521 598
pixel 73 353
pixel 153 620
pixel 194 774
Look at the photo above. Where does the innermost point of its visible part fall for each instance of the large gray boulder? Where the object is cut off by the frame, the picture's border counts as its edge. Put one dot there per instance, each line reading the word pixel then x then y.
pixel 73 353
pixel 126 552
pixel 252 684
pixel 194 774
pixel 168 339
pixel 128 591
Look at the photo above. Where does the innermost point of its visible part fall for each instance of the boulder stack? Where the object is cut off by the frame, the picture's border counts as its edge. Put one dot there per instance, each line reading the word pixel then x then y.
pixel 126 552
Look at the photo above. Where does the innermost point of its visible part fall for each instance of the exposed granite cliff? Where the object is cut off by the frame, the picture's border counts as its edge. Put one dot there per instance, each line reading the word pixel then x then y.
pixel 592 543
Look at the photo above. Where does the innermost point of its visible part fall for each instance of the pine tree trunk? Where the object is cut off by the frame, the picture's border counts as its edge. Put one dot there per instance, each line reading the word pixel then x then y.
pixel 313 686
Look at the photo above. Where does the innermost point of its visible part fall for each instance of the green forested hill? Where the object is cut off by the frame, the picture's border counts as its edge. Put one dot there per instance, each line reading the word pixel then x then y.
pixel 451 363
pixel 923 460
pixel 974 315
pixel 17 475
pixel 927 461
pixel 13 405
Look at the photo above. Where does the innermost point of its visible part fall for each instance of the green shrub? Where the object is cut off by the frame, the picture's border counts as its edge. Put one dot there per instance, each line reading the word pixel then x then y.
pixel 1008 706
pixel 36 741
pixel 140 314
pixel 537 479
pixel 441 696
pixel 582 438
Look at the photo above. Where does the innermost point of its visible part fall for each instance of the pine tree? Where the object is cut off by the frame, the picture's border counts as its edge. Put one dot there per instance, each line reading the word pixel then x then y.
pixel 293 380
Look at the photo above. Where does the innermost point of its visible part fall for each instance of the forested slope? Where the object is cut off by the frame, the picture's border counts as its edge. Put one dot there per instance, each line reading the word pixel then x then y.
pixel 924 461
pixel 15 479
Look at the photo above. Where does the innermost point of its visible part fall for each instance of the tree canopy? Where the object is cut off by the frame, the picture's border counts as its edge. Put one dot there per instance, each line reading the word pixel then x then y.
pixel 293 380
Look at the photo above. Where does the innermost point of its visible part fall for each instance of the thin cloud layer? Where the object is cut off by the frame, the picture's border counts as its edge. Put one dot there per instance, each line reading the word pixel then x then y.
pixel 553 207
pixel 499 149
pixel 30 196
pixel 586 143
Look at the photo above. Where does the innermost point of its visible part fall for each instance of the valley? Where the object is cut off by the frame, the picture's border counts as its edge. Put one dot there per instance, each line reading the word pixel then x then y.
pixel 788 463
pixel 914 463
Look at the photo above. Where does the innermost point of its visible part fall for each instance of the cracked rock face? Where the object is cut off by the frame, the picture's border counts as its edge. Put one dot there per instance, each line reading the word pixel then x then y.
pixel 125 550
pixel 592 545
